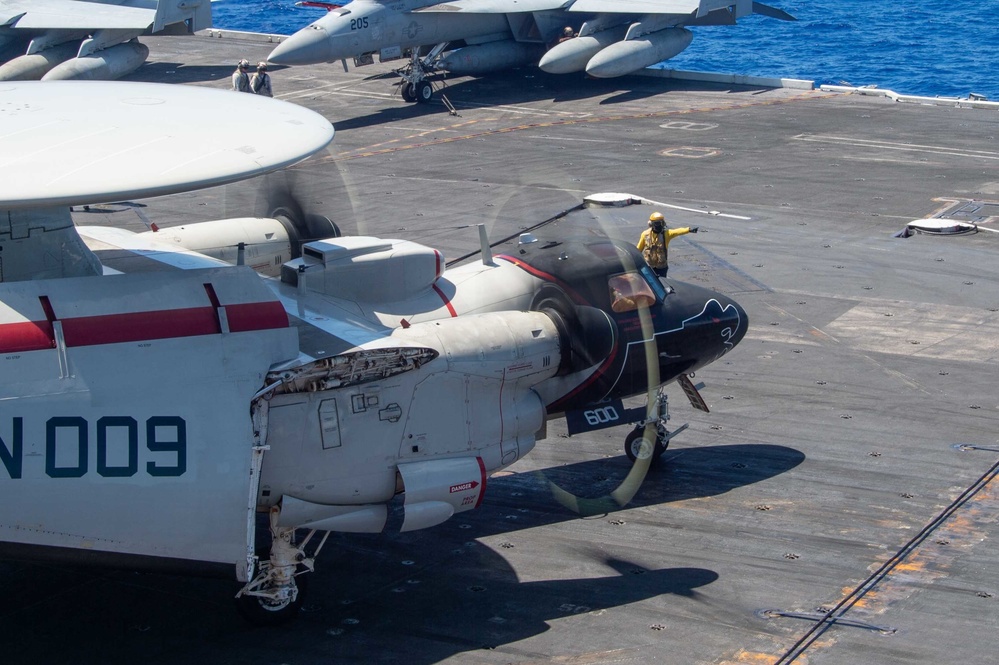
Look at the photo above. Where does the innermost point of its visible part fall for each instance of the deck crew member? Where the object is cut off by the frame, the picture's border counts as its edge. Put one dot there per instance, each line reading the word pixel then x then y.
pixel 654 243
pixel 260 83
pixel 240 79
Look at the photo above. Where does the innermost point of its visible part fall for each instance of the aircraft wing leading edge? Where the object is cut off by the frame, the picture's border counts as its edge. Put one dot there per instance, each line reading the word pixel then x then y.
pixel 697 8
pixel 72 15
pixel 494 6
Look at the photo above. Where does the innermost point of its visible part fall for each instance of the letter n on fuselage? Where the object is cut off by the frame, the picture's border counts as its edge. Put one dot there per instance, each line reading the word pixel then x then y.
pixel 12 457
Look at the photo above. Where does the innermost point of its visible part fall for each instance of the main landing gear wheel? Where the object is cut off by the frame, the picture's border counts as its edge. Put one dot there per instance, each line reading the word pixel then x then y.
pixel 275 593
pixel 262 611
pixel 633 444
pixel 408 92
pixel 424 92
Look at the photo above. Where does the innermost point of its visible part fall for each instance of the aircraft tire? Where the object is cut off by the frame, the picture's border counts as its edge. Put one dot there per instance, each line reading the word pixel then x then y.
pixel 632 444
pixel 259 612
pixel 408 92
pixel 424 92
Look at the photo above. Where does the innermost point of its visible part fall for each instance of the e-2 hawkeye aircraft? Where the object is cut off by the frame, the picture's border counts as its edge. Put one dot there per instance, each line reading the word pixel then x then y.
pixel 607 38
pixel 154 399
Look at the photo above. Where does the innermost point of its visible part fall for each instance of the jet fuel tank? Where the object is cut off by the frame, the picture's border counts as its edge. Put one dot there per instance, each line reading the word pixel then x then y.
pixel 631 55
pixel 491 57
pixel 107 65
pixel 36 65
pixel 573 54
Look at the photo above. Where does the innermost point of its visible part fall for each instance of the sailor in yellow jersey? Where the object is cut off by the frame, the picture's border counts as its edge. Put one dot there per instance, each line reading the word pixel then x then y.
pixel 654 243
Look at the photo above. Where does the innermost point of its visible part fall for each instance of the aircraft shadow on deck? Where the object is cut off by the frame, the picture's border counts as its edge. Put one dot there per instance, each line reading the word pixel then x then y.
pixel 523 86
pixel 421 597
pixel 175 72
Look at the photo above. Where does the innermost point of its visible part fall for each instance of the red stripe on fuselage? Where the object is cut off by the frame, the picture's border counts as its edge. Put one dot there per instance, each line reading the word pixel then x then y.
pixel 256 316
pixel 141 326
pixel 26 336
pixel 482 473
pixel 447 303
pixel 548 277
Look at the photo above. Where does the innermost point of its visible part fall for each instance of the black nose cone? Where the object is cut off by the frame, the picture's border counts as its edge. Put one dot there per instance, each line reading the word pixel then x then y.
pixel 699 327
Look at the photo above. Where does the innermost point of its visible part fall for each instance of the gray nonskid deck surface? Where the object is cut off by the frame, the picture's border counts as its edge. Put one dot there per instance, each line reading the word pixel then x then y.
pixel 835 431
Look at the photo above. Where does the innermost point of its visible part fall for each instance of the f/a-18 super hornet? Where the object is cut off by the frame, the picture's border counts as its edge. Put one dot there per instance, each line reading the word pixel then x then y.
pixel 87 39
pixel 157 398
pixel 604 38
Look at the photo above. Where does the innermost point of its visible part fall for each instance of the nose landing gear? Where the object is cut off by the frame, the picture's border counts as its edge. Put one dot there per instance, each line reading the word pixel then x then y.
pixel 651 437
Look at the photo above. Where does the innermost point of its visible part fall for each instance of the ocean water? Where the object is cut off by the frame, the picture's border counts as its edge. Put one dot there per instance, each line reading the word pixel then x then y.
pixel 946 48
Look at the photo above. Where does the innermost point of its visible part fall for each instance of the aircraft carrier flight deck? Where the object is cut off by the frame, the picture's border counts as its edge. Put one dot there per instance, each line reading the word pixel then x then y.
pixel 837 505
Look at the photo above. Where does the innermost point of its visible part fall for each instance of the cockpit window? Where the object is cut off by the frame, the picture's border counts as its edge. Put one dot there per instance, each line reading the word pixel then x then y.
pixel 630 291
pixel 654 282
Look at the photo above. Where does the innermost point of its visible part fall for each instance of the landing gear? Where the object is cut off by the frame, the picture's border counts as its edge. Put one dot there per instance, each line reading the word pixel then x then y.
pixel 636 439
pixel 408 92
pixel 275 593
pixel 415 84
pixel 424 92
pixel 271 610
pixel 638 444
pixel 421 92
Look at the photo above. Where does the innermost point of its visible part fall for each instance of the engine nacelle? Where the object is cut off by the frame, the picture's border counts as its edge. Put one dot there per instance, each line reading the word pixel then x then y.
pixel 268 243
pixel 355 429
pixel 491 57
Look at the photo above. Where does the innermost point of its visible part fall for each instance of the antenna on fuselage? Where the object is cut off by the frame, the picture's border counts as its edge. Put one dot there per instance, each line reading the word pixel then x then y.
pixel 487 252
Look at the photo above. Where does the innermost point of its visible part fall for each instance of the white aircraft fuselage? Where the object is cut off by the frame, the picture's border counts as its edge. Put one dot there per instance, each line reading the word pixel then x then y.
pixel 372 26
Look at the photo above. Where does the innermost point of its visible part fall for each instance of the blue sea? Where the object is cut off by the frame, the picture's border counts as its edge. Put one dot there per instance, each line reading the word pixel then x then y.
pixel 945 48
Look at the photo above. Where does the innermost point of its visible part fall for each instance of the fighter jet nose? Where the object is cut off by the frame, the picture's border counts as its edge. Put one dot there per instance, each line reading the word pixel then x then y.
pixel 308 46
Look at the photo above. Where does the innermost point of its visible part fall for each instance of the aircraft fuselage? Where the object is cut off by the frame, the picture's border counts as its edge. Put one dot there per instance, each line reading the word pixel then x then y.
pixel 366 26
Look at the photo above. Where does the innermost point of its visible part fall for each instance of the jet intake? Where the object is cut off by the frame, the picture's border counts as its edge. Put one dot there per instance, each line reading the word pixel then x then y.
pixel 490 57
pixel 631 55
